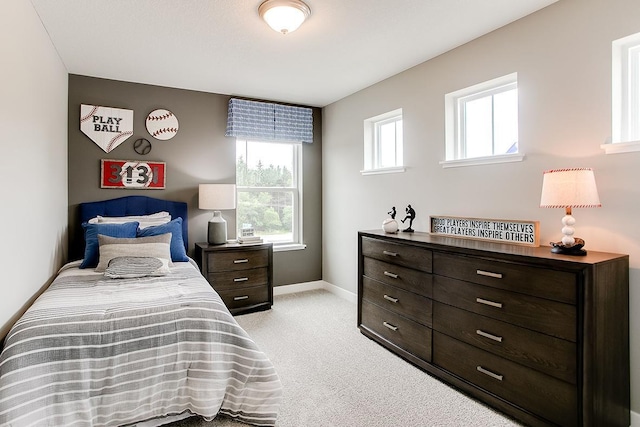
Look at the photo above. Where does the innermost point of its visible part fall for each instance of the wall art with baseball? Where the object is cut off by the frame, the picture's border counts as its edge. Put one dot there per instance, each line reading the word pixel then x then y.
pixel 108 127
pixel 162 124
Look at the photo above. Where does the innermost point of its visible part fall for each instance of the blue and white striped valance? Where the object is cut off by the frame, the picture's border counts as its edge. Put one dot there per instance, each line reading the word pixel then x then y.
pixel 264 121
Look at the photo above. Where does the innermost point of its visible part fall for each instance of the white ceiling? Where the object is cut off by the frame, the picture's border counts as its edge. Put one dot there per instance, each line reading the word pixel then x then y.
pixel 222 46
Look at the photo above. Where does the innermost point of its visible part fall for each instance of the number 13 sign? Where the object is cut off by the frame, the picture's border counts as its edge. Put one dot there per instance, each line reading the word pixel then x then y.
pixel 132 174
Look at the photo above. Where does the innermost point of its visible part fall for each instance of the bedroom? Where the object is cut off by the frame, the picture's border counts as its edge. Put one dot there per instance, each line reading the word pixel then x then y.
pixel 562 53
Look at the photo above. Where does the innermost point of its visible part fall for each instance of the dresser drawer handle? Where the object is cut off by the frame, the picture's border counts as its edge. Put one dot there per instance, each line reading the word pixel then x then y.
pixel 487 302
pixel 241 279
pixel 241 298
pixel 240 261
pixel 488 335
pixel 393 276
pixel 489 274
pixel 392 299
pixel 491 374
pixel 390 326
pixel 389 253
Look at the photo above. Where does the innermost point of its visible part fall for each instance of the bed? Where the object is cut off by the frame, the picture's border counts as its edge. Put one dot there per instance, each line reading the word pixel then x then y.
pixel 146 341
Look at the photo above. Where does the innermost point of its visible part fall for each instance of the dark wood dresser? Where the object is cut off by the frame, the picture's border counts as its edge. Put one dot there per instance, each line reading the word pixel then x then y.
pixel 241 274
pixel 541 337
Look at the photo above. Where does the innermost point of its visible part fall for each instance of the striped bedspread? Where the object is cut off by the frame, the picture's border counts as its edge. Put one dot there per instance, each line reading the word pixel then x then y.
pixel 93 351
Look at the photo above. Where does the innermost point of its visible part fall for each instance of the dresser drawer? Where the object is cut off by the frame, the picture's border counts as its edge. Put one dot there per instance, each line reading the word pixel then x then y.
pixel 237 260
pixel 401 277
pixel 550 284
pixel 245 297
pixel 406 334
pixel 542 352
pixel 239 278
pixel 404 255
pixel 541 394
pixel 399 301
pixel 548 317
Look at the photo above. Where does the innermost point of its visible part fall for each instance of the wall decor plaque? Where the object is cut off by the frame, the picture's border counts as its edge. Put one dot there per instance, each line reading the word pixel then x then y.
pixel 162 124
pixel 108 127
pixel 132 174
pixel 496 230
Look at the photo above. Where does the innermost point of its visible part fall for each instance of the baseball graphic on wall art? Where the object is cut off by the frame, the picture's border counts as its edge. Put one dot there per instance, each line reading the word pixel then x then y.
pixel 162 124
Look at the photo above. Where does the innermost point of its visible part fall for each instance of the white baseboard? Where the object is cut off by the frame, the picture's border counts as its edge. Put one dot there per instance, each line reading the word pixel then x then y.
pixel 318 284
pixel 635 419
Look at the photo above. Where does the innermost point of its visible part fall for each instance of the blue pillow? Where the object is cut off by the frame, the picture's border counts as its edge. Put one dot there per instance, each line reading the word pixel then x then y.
pixel 91 245
pixel 178 253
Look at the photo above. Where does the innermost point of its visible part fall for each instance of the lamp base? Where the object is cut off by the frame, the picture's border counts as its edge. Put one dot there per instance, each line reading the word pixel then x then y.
pixel 217 231
pixel 575 250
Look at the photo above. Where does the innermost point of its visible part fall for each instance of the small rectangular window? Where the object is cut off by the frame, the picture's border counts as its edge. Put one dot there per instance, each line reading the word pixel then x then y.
pixel 482 120
pixel 383 143
pixel 626 89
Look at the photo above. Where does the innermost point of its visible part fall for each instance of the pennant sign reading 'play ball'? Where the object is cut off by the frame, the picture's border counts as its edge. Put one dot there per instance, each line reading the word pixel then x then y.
pixel 106 126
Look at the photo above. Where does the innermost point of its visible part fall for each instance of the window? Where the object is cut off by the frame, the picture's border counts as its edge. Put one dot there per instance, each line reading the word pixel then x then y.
pixel 625 101
pixel 269 186
pixel 383 143
pixel 482 122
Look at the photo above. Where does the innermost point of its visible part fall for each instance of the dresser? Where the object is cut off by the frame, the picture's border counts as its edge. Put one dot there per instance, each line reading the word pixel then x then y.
pixel 241 274
pixel 541 337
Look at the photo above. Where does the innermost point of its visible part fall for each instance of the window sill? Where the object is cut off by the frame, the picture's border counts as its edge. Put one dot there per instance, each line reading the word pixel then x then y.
pixel 621 147
pixel 505 158
pixel 396 169
pixel 289 247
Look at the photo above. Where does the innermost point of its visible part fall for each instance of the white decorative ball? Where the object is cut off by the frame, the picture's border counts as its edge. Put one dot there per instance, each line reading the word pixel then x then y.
pixel 568 220
pixel 390 225
pixel 568 241
pixel 162 124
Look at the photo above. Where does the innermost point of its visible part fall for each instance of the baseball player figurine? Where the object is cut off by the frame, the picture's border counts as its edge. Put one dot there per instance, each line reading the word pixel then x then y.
pixel 411 214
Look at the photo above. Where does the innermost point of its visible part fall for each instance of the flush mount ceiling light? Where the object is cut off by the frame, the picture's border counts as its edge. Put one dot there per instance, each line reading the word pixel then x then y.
pixel 284 16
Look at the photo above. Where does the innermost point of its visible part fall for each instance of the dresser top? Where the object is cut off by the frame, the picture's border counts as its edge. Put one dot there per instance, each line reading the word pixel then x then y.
pixel 475 247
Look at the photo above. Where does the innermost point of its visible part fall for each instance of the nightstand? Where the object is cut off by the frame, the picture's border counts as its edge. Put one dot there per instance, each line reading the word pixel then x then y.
pixel 241 274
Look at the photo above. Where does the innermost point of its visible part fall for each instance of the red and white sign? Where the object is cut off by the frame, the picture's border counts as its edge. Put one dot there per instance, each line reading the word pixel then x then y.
pixel 106 126
pixel 132 174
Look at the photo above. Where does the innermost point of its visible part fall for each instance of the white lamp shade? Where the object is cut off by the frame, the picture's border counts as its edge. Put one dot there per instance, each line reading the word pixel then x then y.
pixel 569 188
pixel 217 196
pixel 284 16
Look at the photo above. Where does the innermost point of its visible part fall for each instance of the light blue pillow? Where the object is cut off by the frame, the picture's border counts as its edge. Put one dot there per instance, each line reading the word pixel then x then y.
pixel 91 245
pixel 178 252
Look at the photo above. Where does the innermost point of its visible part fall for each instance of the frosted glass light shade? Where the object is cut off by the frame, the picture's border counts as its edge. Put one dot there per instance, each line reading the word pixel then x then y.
pixel 284 16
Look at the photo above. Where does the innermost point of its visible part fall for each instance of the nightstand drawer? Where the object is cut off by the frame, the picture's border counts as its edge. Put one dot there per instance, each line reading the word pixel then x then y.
pixel 542 352
pixel 405 303
pixel 548 317
pixel 400 277
pixel 541 394
pixel 245 297
pixel 237 260
pixel 539 282
pixel 239 278
pixel 406 334
pixel 404 255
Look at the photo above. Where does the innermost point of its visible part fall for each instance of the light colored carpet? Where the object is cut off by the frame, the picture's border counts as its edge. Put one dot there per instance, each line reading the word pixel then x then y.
pixel 334 376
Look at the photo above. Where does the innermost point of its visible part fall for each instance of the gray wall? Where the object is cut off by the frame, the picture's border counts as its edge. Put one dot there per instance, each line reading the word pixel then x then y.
pixel 199 153
pixel 562 55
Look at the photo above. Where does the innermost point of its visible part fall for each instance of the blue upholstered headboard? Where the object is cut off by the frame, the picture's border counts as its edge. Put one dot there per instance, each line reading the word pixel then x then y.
pixel 136 205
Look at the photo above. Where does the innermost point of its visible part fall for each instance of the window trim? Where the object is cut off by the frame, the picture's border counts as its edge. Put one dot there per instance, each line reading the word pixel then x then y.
pixel 624 101
pixel 455 138
pixel 297 241
pixel 372 146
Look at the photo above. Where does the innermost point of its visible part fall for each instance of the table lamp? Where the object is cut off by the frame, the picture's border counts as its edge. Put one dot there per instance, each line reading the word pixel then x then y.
pixel 217 197
pixel 569 188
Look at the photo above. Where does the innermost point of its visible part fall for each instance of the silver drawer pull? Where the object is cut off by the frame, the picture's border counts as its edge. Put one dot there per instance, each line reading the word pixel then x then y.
pixel 241 279
pixel 240 261
pixel 390 326
pixel 487 302
pixel 488 335
pixel 389 253
pixel 393 276
pixel 392 299
pixel 489 274
pixel 491 374
pixel 241 298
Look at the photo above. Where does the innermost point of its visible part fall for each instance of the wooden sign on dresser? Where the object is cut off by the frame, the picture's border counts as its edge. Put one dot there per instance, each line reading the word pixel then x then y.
pixel 539 336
